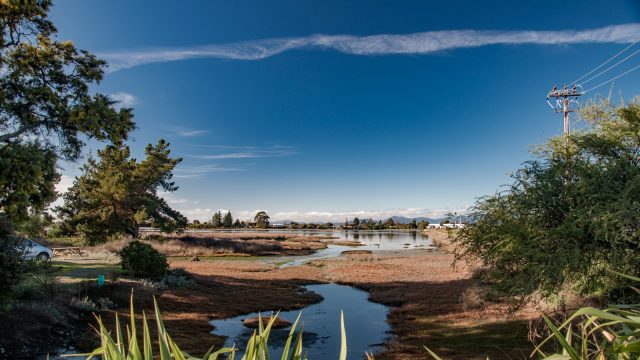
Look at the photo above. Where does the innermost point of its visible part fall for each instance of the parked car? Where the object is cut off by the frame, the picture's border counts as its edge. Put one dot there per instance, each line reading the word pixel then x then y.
pixel 33 250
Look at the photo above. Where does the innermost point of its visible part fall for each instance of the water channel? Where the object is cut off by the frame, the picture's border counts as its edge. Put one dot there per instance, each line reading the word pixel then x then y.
pixel 365 324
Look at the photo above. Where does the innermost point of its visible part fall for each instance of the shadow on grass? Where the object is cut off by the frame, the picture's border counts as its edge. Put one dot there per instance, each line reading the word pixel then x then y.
pixel 421 314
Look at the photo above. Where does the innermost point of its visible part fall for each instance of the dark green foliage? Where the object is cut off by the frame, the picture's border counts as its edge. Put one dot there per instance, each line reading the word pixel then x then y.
pixel 227 221
pixel 34 225
pixel 142 260
pixel 116 194
pixel 261 219
pixel 27 179
pixel 11 263
pixel 45 84
pixel 571 215
pixel 46 107
pixel 46 110
pixel 216 220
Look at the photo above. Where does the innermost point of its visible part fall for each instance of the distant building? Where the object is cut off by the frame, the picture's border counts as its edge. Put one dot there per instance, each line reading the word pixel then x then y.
pixel 446 226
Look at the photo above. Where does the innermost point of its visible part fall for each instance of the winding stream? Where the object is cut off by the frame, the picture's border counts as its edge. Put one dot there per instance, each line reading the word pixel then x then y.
pixel 365 324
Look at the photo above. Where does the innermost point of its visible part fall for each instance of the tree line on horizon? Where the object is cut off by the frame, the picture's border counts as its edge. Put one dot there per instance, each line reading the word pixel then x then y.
pixel 261 221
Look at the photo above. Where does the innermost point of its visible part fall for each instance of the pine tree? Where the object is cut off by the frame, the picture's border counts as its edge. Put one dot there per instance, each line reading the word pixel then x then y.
pixel 227 221
pixel 216 221
pixel 117 194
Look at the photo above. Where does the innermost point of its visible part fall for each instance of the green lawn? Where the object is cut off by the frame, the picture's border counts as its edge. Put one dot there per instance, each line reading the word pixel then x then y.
pixel 72 271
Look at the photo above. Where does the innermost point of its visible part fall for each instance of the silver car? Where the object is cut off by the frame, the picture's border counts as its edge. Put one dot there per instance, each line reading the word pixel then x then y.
pixel 33 250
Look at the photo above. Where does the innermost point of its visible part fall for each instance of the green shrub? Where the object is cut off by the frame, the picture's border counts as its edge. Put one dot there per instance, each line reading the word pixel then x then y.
pixel 141 260
pixel 570 216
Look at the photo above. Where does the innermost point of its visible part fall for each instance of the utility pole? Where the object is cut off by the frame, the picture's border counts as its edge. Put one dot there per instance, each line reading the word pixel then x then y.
pixel 564 99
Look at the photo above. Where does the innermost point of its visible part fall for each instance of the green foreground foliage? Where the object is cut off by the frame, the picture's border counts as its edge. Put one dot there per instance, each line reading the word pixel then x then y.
pixel 571 216
pixel 257 347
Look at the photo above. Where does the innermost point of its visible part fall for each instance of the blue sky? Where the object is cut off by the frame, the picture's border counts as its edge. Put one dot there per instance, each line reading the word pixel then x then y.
pixel 324 110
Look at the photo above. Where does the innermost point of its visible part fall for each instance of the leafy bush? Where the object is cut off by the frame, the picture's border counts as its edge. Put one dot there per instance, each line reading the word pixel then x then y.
pixel 141 260
pixel 571 215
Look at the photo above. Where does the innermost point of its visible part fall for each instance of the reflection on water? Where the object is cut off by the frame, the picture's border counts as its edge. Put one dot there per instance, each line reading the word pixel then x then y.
pixel 371 240
pixel 389 239
pixel 365 323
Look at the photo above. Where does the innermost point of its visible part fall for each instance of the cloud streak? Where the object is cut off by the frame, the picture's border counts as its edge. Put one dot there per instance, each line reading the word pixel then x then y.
pixel 191 133
pixel 382 44
pixel 124 99
pixel 249 152
pixel 199 171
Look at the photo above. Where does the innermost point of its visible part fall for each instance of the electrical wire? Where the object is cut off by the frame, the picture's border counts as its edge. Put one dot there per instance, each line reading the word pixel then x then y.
pixel 612 79
pixel 604 63
pixel 610 67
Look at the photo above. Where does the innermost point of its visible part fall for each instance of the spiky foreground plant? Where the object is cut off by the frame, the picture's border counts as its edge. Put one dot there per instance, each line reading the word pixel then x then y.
pixel 590 333
pixel 257 348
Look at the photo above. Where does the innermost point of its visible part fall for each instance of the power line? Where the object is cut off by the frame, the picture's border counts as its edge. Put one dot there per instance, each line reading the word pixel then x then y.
pixel 610 67
pixel 604 63
pixel 612 79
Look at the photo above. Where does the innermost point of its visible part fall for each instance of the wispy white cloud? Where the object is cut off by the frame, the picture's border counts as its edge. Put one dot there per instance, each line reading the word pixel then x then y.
pixel 382 44
pixel 191 133
pixel 201 170
pixel 248 152
pixel 124 99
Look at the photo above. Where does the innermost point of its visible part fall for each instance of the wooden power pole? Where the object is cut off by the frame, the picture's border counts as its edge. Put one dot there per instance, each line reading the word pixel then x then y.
pixel 564 98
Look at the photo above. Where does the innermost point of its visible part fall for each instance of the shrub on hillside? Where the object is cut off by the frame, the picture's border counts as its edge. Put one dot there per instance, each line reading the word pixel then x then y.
pixel 141 260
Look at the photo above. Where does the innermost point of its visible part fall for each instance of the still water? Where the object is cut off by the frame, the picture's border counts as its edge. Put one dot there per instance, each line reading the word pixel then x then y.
pixel 370 240
pixel 365 324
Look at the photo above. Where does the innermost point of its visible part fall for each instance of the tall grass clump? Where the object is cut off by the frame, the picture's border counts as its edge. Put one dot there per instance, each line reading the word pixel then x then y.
pixel 116 348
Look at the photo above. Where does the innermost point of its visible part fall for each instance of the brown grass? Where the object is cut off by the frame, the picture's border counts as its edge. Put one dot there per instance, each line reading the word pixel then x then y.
pixel 224 244
pixel 423 289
